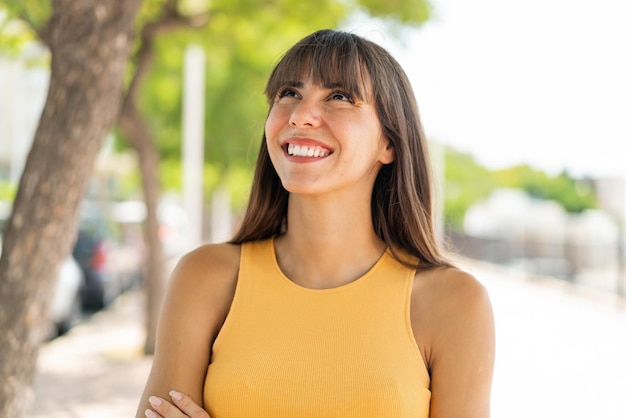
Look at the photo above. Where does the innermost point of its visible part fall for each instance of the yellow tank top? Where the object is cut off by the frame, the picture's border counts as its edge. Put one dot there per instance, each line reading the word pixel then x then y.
pixel 288 351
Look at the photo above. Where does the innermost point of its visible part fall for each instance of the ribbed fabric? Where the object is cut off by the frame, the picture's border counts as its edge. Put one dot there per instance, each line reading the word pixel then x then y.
pixel 289 351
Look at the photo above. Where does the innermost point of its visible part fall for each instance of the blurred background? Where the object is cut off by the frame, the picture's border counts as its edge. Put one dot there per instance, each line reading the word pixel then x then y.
pixel 524 106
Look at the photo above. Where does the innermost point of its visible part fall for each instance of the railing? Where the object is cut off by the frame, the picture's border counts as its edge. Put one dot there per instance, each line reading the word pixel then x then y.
pixel 591 264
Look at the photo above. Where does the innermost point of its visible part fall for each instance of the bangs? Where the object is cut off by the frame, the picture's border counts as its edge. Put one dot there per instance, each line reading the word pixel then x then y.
pixel 327 58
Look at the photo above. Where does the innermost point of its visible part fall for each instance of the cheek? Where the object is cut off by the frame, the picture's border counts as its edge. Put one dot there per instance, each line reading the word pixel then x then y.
pixel 274 122
pixel 269 127
pixel 272 128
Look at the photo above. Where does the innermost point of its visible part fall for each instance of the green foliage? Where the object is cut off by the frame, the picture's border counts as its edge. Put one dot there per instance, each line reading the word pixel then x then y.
pixel 405 12
pixel 7 190
pixel 35 12
pixel 467 182
pixel 236 179
pixel 239 180
pixel 573 194
pixel 15 33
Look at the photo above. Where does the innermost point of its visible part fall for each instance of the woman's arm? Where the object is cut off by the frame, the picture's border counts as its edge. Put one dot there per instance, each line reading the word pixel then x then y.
pixel 197 301
pixel 453 322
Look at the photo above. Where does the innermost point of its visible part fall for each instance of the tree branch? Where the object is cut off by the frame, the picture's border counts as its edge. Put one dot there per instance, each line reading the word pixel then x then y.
pixel 170 20
pixel 174 22
pixel 143 62
pixel 170 7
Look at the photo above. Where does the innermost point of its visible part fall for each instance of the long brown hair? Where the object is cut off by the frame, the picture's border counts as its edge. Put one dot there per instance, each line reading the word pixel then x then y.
pixel 402 198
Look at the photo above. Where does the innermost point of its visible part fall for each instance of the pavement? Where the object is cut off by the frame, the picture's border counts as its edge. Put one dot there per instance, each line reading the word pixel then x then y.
pixel 561 352
pixel 561 349
pixel 96 370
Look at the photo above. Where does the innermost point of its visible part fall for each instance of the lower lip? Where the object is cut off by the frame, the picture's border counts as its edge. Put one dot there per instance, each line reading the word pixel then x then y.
pixel 298 159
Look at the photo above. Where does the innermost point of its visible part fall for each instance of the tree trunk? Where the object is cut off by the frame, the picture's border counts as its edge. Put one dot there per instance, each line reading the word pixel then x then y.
pixel 89 42
pixel 138 134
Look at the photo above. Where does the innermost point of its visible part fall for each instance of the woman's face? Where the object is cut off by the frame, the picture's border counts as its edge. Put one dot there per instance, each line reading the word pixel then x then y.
pixel 322 140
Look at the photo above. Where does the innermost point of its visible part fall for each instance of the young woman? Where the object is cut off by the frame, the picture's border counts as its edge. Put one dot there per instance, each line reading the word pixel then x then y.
pixel 333 299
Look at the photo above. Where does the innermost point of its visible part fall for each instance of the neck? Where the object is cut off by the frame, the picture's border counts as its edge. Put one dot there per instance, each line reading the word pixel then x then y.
pixel 328 242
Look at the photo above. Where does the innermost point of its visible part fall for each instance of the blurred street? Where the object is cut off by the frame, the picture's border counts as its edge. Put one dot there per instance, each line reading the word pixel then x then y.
pixel 561 352
pixel 96 370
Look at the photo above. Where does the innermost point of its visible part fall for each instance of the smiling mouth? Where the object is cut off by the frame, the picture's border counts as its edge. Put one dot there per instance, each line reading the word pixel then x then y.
pixel 307 151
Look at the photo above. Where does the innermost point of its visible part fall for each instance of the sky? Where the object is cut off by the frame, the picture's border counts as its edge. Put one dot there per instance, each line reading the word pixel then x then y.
pixel 538 82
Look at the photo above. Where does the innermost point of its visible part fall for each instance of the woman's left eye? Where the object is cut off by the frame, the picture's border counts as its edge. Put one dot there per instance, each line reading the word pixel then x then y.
pixel 341 96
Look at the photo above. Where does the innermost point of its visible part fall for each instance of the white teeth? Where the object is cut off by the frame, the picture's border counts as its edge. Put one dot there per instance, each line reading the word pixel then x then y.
pixel 306 151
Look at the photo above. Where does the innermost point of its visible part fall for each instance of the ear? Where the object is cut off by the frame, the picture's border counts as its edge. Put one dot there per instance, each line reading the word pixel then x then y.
pixel 388 154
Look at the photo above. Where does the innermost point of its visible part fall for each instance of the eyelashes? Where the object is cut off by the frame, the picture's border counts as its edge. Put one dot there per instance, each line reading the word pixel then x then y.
pixel 286 92
pixel 339 95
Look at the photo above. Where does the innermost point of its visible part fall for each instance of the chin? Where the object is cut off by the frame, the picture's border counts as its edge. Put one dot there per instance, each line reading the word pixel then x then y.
pixel 303 187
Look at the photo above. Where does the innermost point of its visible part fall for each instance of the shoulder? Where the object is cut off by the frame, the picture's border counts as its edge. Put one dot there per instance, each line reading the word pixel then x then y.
pixel 449 306
pixel 443 287
pixel 452 320
pixel 209 259
pixel 202 285
pixel 209 271
pixel 206 268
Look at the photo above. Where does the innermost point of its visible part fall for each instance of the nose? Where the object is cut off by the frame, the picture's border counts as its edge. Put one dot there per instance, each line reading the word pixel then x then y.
pixel 305 114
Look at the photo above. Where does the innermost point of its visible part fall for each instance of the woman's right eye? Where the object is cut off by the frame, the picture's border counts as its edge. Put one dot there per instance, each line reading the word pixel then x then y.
pixel 286 93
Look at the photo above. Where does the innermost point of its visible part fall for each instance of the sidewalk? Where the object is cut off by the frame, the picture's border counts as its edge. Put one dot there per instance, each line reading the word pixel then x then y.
pixel 560 349
pixel 97 370
pixel 561 352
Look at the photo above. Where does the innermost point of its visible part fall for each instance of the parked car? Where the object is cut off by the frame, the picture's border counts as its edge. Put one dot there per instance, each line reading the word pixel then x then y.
pixel 110 265
pixel 66 304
